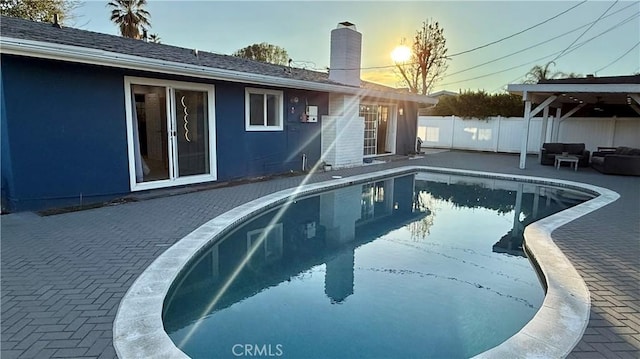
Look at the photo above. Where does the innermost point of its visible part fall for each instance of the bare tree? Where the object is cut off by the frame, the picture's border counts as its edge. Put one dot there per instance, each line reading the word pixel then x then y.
pixel 264 52
pixel 428 61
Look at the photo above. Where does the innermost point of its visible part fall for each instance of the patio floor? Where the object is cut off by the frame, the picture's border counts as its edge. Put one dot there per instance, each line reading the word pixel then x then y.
pixel 63 276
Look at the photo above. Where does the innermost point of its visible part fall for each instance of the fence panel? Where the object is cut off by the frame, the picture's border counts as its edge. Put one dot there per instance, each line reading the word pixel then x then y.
pixel 627 132
pixel 436 131
pixel 502 134
pixel 474 134
pixel 510 135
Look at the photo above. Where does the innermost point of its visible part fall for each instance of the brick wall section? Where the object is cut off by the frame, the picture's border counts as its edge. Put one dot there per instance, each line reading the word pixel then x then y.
pixel 343 132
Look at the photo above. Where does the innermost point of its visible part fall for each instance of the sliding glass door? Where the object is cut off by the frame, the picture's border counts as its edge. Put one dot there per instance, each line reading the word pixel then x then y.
pixel 192 133
pixel 171 133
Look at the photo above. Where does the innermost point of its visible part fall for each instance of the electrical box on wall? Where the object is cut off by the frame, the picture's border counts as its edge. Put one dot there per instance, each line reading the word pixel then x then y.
pixel 312 113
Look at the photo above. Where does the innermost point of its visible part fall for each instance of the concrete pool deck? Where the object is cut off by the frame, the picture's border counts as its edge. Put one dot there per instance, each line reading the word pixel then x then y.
pixel 63 276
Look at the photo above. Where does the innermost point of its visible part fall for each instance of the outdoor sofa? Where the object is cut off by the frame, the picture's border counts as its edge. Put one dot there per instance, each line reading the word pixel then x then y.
pixel 549 151
pixel 619 161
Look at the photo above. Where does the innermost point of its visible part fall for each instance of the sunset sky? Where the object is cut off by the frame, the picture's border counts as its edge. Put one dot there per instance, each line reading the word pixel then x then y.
pixel 303 29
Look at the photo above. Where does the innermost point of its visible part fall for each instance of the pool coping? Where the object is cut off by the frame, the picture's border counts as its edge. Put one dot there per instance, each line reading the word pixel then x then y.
pixel 553 332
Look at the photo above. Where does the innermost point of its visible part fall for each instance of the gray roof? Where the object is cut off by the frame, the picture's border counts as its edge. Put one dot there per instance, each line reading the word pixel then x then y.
pixel 630 79
pixel 46 32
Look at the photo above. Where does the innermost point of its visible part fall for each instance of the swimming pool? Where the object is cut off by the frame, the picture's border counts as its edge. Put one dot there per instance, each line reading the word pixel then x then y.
pixel 423 265
pixel 138 328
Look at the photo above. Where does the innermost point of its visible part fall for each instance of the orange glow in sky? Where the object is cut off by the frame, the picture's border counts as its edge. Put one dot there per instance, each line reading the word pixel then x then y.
pixel 303 29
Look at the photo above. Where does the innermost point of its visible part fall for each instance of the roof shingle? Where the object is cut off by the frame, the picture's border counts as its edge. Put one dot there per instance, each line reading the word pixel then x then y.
pixel 46 32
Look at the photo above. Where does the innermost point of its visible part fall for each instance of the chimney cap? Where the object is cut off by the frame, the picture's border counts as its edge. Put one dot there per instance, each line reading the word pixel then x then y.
pixel 346 24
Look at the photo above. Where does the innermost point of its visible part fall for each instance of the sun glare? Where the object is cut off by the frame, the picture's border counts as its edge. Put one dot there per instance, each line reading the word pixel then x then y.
pixel 401 54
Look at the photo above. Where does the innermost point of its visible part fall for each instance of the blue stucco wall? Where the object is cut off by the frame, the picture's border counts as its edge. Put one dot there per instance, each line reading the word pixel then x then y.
pixel 258 153
pixel 6 177
pixel 67 134
pixel 64 133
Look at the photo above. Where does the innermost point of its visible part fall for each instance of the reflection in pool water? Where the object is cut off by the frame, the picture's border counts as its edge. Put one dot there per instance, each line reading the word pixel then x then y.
pixel 412 266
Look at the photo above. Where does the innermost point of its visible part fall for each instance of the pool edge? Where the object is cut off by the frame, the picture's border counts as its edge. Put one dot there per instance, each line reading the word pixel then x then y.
pixel 553 332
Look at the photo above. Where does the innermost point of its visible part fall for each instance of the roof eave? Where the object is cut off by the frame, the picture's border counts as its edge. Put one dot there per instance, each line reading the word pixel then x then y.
pixel 573 88
pixel 77 54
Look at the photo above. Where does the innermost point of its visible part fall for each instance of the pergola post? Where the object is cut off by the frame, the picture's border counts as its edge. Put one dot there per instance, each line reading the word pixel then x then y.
pixel 517 226
pixel 564 117
pixel 574 93
pixel 525 134
pixel 543 130
pixel 528 113
pixel 556 125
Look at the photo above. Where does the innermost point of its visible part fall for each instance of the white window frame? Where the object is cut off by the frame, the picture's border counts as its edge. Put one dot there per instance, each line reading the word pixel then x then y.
pixel 169 85
pixel 247 109
pixel 271 233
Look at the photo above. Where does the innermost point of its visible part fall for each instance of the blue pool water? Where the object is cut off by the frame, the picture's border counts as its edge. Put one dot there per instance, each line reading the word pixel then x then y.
pixel 412 266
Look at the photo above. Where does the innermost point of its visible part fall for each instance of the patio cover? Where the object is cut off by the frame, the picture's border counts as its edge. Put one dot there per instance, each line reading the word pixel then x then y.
pixel 570 95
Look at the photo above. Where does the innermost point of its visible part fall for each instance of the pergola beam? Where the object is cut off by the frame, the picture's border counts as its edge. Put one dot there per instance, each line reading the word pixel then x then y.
pixel 543 105
pixel 575 88
pixel 571 92
pixel 571 112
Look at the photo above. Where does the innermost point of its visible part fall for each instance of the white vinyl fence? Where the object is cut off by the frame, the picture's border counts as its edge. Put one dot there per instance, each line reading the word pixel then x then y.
pixel 504 134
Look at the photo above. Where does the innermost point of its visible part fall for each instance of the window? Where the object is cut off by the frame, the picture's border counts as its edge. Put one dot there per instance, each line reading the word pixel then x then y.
pixel 270 239
pixel 263 110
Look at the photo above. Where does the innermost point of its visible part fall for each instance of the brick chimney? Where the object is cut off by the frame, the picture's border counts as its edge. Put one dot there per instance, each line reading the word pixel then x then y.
pixel 346 49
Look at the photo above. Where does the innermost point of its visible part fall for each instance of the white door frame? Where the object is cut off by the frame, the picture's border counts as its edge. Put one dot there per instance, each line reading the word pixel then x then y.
pixel 169 86
pixel 392 123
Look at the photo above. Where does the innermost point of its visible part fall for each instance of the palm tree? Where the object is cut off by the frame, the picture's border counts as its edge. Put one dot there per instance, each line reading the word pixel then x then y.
pixel 155 38
pixel 539 73
pixel 130 16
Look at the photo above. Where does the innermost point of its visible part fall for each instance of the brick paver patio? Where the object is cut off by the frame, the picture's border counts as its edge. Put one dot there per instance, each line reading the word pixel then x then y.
pixel 63 276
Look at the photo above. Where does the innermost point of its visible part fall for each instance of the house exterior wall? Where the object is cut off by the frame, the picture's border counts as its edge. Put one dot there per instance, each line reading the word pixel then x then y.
pixel 249 154
pixel 407 128
pixel 6 177
pixel 64 133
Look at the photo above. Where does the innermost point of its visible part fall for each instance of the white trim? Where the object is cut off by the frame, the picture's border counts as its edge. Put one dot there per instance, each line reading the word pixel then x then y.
pixel 276 229
pixel 46 50
pixel 171 146
pixel 247 109
pixel 392 118
pixel 584 88
pixel 138 331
